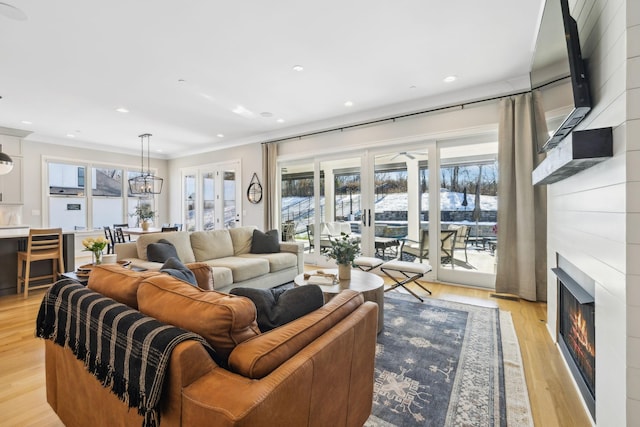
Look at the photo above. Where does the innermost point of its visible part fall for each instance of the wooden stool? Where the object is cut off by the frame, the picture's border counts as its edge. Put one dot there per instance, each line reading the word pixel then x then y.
pixel 42 244
pixel 366 263
pixel 410 270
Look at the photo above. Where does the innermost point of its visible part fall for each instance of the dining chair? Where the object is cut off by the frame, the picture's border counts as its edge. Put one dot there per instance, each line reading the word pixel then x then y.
pixel 109 236
pixel 42 244
pixel 118 237
pixel 121 226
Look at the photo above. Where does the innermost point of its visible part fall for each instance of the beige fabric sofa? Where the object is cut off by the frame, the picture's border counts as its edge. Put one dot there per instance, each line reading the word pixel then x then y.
pixel 228 252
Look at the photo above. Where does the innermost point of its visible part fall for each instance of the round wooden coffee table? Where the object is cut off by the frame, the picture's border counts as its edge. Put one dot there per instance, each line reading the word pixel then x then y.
pixel 370 285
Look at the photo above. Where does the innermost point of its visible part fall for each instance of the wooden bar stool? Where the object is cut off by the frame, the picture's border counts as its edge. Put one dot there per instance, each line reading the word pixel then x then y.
pixel 42 244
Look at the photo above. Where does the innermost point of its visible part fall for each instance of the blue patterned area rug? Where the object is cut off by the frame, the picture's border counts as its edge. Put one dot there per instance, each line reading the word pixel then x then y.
pixel 440 363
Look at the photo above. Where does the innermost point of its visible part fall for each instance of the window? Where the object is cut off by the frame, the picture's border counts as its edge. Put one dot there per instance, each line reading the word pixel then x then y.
pixel 347 196
pixel 190 202
pixel 208 201
pixel 67 197
pixel 107 202
pixel 80 200
pixel 211 196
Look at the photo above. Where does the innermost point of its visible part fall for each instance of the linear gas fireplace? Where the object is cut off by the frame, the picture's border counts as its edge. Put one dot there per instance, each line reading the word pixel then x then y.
pixel 576 330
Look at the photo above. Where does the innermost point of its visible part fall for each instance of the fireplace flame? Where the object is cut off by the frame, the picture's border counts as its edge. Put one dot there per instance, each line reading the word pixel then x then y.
pixel 580 336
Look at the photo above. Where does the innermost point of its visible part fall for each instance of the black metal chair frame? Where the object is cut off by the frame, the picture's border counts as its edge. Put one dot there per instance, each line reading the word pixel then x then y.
pixel 404 282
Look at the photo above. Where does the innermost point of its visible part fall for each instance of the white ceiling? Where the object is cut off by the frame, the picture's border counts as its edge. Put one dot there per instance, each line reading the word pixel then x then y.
pixel 181 68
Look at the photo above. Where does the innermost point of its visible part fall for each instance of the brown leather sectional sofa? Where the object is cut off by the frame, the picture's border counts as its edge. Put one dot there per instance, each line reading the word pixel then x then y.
pixel 314 371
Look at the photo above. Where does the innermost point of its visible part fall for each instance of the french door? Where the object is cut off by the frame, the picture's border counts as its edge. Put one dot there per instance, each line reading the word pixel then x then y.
pixel 317 193
pixel 388 195
pixel 211 197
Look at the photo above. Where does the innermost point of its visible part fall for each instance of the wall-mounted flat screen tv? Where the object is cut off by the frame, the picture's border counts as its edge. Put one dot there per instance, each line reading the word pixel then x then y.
pixel 559 71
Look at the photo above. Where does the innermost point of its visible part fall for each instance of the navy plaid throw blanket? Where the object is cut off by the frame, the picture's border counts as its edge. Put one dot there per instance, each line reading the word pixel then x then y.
pixel 125 350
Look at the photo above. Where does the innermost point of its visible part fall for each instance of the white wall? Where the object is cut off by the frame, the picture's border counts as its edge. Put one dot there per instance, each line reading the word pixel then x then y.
pixel 588 212
pixel 457 122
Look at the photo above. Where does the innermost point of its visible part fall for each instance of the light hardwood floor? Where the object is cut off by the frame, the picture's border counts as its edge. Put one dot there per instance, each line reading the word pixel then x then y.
pixel 554 401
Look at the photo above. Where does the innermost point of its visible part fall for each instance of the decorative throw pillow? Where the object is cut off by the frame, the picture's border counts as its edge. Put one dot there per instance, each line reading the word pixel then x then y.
pixel 265 243
pixel 175 268
pixel 161 251
pixel 275 307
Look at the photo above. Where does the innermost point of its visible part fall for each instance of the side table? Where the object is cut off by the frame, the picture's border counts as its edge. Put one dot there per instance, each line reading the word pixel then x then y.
pixel 370 285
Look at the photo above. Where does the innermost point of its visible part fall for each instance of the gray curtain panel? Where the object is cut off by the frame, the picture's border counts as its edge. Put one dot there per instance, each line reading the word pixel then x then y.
pixel 269 164
pixel 522 224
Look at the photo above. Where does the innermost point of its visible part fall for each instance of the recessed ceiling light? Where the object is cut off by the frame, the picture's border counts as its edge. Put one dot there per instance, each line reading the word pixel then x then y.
pixel 26 122
pixel 220 135
pixel 122 110
pixel 266 114
pixel 348 104
pixel 70 135
pixel 450 79
pixel 280 120
pixel 298 68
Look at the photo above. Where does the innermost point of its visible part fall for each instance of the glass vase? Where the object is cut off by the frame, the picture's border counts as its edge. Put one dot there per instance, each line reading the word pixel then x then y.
pixel 97 257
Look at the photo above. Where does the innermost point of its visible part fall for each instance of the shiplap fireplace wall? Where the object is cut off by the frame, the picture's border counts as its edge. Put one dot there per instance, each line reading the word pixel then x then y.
pixel 594 216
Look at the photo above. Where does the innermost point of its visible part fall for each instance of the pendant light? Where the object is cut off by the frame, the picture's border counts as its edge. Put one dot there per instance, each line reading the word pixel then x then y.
pixel 6 164
pixel 146 183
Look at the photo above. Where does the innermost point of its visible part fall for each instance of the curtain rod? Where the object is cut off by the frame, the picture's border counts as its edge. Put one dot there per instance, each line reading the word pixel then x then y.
pixel 394 118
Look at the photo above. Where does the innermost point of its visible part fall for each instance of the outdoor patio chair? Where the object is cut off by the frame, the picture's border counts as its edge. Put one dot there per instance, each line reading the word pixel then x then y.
pixel 420 249
pixel 288 231
pixel 325 241
pixel 462 238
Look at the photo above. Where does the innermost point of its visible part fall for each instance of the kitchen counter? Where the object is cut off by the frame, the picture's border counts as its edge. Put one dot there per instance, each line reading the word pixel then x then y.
pixel 14 239
pixel 14 231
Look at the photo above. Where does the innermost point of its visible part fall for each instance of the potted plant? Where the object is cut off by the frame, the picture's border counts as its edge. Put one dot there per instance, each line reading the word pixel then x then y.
pixel 344 250
pixel 144 213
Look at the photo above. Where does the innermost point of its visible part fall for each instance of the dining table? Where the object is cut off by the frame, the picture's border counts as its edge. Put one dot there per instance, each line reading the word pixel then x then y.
pixel 138 231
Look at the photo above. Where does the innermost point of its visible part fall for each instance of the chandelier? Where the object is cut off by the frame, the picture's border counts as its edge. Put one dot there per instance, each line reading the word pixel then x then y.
pixel 146 183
